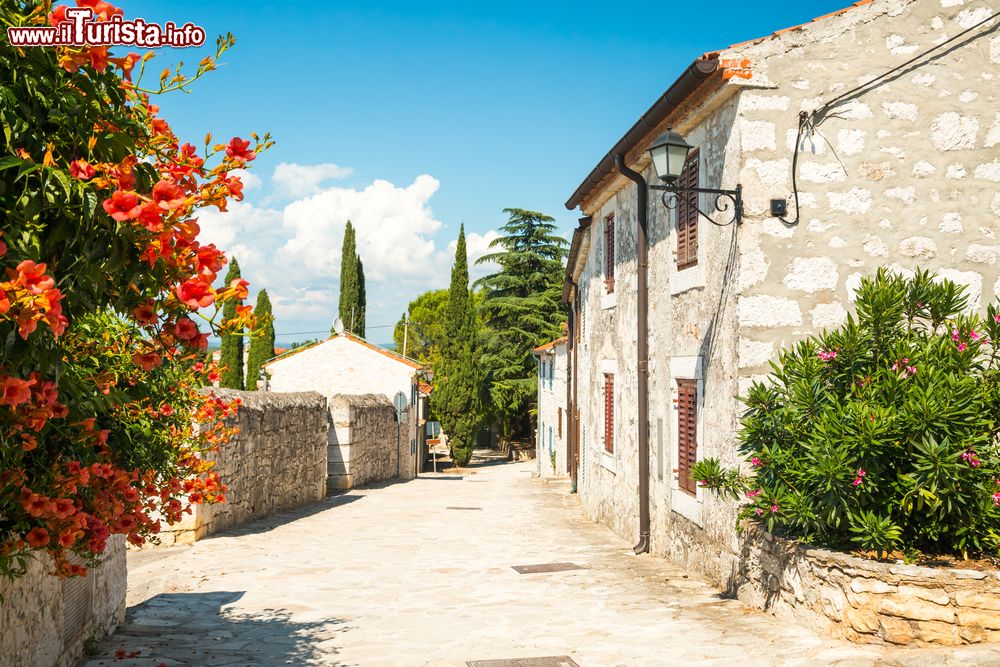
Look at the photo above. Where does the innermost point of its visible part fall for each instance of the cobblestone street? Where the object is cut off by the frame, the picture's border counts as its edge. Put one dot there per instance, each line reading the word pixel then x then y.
pixel 421 574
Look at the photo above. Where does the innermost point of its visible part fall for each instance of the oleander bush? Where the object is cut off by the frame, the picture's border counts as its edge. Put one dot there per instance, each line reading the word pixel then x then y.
pixel 881 434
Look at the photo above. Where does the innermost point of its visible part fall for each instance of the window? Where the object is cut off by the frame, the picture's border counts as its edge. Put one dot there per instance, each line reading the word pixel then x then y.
pixel 609 412
pixel 609 253
pixel 687 434
pixel 559 422
pixel 687 214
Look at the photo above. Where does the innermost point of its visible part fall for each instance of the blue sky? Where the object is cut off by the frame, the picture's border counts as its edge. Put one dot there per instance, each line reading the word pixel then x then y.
pixel 411 118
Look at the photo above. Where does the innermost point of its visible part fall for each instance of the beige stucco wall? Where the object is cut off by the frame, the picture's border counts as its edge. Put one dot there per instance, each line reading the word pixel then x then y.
pixel 915 182
pixel 550 436
pixel 277 461
pixel 37 628
pixel 341 366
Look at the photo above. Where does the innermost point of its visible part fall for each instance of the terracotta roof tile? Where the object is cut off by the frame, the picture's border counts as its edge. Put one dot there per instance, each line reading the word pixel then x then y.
pixel 776 33
pixel 551 344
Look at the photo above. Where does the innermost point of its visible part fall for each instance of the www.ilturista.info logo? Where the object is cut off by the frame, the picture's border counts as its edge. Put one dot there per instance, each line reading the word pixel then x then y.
pixel 80 29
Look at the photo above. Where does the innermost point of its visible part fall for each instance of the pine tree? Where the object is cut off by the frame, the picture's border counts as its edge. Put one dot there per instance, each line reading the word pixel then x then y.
pixel 521 309
pixel 231 356
pixel 359 318
pixel 456 396
pixel 262 342
pixel 348 279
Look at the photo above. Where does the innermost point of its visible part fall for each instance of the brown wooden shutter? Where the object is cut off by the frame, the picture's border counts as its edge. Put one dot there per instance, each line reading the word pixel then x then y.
pixel 609 412
pixel 687 433
pixel 687 214
pixel 560 422
pixel 609 253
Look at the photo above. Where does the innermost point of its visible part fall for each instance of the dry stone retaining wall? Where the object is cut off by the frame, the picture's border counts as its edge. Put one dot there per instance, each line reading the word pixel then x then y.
pixel 276 462
pixel 46 621
pixel 868 601
pixel 362 442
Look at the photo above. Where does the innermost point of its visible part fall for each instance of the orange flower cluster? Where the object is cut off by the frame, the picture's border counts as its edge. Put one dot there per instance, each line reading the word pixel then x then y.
pixel 29 296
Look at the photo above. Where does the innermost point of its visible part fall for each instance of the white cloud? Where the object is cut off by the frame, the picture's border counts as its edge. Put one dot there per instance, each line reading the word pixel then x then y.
pixel 476 245
pixel 294 251
pixel 298 180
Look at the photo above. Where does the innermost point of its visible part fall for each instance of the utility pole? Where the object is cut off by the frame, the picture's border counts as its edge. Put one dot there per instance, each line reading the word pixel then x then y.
pixel 352 322
pixel 406 331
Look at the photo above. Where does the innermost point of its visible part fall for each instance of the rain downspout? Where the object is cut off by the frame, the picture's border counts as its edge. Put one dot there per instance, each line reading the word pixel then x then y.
pixel 642 349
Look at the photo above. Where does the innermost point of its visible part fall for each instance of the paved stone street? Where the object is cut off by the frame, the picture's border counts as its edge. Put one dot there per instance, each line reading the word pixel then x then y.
pixel 403 575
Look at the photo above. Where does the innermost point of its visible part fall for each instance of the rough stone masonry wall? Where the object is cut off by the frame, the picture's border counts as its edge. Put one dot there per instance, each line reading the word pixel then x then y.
pixel 906 175
pixel 867 601
pixel 38 628
pixel 363 442
pixel 276 462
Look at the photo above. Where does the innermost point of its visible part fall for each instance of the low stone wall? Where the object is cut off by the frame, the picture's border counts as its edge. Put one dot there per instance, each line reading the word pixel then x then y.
pixel 363 442
pixel 276 462
pixel 46 621
pixel 864 600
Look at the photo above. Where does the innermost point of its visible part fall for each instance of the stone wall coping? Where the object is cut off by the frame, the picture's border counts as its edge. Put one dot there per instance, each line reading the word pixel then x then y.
pixel 261 400
pixel 860 566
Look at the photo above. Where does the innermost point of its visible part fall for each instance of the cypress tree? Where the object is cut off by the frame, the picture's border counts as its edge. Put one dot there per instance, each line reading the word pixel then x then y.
pixel 262 341
pixel 456 394
pixel 348 280
pixel 359 318
pixel 231 357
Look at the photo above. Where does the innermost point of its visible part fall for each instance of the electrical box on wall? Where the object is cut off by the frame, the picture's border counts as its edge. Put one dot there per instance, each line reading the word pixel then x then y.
pixel 779 208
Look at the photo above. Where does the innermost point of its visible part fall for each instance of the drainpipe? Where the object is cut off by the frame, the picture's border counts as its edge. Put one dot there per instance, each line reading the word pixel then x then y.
pixel 642 349
pixel 571 454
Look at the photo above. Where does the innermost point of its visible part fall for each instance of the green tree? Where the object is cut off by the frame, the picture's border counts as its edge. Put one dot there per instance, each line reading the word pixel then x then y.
pixel 262 340
pixel 231 357
pixel 359 318
pixel 351 308
pixel 425 335
pixel 521 309
pixel 456 399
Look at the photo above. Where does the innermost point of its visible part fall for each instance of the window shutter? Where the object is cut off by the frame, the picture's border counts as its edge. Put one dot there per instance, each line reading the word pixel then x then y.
pixel 687 433
pixel 609 253
pixel 609 412
pixel 560 422
pixel 687 214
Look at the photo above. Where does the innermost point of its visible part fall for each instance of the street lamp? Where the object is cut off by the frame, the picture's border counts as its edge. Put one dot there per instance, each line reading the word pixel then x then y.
pixel 669 153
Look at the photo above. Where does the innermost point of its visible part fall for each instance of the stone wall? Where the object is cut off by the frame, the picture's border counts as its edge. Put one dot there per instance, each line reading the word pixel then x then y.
pixel 363 443
pixel 46 621
pixel 867 601
pixel 276 462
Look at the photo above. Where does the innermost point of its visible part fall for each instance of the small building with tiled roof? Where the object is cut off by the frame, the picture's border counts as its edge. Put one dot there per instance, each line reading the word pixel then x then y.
pixel 347 365
pixel 866 138
pixel 551 421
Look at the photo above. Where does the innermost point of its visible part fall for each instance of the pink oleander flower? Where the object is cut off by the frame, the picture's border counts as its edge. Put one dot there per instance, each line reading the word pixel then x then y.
pixel 971 458
pixel 860 476
pixel 702 482
pixel 973 335
pixel 827 355
pixel 962 347
pixel 996 318
pixel 756 462
pixel 996 499
pixel 774 508
pixel 759 511
pixel 754 493
pixel 955 335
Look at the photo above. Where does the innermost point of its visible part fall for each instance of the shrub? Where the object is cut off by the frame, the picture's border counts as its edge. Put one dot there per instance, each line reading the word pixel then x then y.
pixel 103 280
pixel 881 434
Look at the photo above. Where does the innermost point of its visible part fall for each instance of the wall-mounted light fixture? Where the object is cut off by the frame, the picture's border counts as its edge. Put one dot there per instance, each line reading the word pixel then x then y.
pixel 669 153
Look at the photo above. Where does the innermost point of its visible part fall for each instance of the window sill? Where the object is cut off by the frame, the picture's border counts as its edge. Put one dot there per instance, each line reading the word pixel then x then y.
pixel 608 461
pixel 609 300
pixel 682 280
pixel 686 505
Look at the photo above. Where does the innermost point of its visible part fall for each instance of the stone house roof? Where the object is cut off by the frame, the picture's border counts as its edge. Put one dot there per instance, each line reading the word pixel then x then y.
pixel 412 363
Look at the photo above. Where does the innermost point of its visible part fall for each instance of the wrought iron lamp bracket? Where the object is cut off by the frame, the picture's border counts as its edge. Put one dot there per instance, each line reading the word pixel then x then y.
pixel 726 201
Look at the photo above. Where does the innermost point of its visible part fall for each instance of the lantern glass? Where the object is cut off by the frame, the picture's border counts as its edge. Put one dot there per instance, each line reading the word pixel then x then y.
pixel 669 152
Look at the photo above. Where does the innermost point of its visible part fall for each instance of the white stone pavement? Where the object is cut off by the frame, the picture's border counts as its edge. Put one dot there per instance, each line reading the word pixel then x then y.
pixel 390 576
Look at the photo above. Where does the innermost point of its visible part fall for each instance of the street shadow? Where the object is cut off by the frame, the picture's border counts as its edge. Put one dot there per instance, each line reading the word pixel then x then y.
pixel 195 629
pixel 283 517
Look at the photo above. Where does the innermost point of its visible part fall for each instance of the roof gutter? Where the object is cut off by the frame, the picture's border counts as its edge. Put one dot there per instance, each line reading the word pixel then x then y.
pixel 699 71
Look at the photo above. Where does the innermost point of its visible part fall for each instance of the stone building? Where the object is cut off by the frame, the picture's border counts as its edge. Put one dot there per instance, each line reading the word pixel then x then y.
pixel 878 127
pixel 550 440
pixel 346 365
